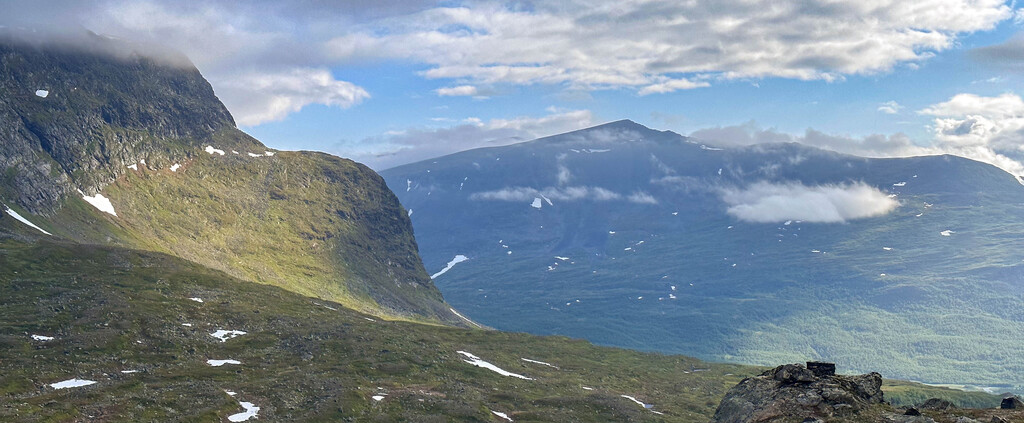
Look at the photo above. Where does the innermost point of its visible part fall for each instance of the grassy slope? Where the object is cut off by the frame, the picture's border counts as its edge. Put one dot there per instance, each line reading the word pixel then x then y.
pixel 310 223
pixel 113 309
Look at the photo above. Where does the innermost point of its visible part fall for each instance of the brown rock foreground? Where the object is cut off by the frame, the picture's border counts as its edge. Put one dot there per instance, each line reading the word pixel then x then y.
pixel 794 393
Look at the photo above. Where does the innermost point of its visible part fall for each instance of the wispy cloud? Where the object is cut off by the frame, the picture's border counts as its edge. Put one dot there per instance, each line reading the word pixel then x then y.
pixel 414 144
pixel 260 97
pixel 766 202
pixel 890 107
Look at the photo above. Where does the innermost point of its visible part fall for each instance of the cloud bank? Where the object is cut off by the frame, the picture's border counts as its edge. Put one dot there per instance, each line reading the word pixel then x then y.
pixel 647 46
pixel 986 129
pixel 765 202
pixel 572 193
pixel 411 145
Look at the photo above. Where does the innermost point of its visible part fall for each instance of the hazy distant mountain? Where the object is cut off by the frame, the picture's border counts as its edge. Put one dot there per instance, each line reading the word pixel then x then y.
pixel 776 253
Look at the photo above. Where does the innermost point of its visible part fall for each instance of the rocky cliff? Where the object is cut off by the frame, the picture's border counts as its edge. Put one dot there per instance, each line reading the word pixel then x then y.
pixel 91 116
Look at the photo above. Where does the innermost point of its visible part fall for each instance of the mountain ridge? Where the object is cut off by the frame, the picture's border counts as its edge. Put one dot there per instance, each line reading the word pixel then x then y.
pixel 656 246
pixel 151 143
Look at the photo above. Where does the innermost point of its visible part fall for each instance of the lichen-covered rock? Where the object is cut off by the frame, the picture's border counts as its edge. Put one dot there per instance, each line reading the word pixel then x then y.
pixel 791 392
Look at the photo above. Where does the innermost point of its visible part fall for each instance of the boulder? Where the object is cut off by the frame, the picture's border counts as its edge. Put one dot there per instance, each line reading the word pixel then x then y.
pixel 1011 403
pixel 791 392
pixel 936 404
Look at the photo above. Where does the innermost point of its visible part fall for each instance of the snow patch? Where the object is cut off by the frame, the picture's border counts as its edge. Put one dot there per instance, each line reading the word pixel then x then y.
pixel 502 415
pixel 463 317
pixel 128 372
pixel 71 383
pixel 540 362
pixel 218 363
pixel 250 412
pixel 536 203
pixel 562 258
pixel 408 185
pixel 887 248
pixel 255 155
pixel 175 167
pixel 42 93
pixel 224 335
pixel 101 203
pixel 377 397
pixel 18 217
pixel 42 338
pixel 196 299
pixel 547 200
pixel 212 151
pixel 458 259
pixel 409 212
pixel 476 361
pixel 947 232
pixel 588 388
pixel 900 184
pixel 133 166
pixel 268 153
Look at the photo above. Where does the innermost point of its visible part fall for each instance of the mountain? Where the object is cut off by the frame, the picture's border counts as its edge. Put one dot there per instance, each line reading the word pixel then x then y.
pixel 768 254
pixel 146 141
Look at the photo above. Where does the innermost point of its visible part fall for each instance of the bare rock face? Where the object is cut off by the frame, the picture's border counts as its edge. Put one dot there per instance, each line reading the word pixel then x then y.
pixel 791 392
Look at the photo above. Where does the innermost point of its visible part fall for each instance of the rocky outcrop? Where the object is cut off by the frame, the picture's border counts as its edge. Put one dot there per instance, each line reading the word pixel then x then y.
pixel 792 392
pixel 76 112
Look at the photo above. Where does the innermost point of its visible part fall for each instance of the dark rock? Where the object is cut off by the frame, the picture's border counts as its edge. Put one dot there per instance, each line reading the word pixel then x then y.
pixel 792 392
pixel 912 412
pixel 937 404
pixel 997 419
pixel 821 369
pixel 1011 403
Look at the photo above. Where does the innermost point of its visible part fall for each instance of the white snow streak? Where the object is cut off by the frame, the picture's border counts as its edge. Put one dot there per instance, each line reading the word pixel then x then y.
pixel 476 361
pixel 17 216
pixel 458 259
pixel 196 299
pixel 71 383
pixel 218 363
pixel 133 166
pixel 211 150
pixel 539 362
pixel 42 93
pixel 502 415
pixel 536 203
pixel 175 167
pixel 947 232
pixel 464 317
pixel 42 338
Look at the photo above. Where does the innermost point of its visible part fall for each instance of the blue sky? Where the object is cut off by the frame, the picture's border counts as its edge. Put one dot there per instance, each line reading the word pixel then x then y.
pixel 390 82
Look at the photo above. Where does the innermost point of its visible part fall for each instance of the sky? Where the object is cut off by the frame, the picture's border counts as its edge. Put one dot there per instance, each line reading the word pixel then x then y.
pixel 390 82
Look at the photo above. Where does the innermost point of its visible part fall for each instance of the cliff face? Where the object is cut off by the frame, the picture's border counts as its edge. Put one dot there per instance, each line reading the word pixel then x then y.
pixel 152 137
pixel 73 117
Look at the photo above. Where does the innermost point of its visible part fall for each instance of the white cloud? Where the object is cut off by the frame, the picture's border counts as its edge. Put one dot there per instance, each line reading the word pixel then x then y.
pixel 256 98
pixel 986 129
pixel 650 45
pixel 768 202
pixel 641 197
pixel 989 128
pixel 672 85
pixel 574 193
pixel 416 144
pixel 461 90
pixel 890 107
